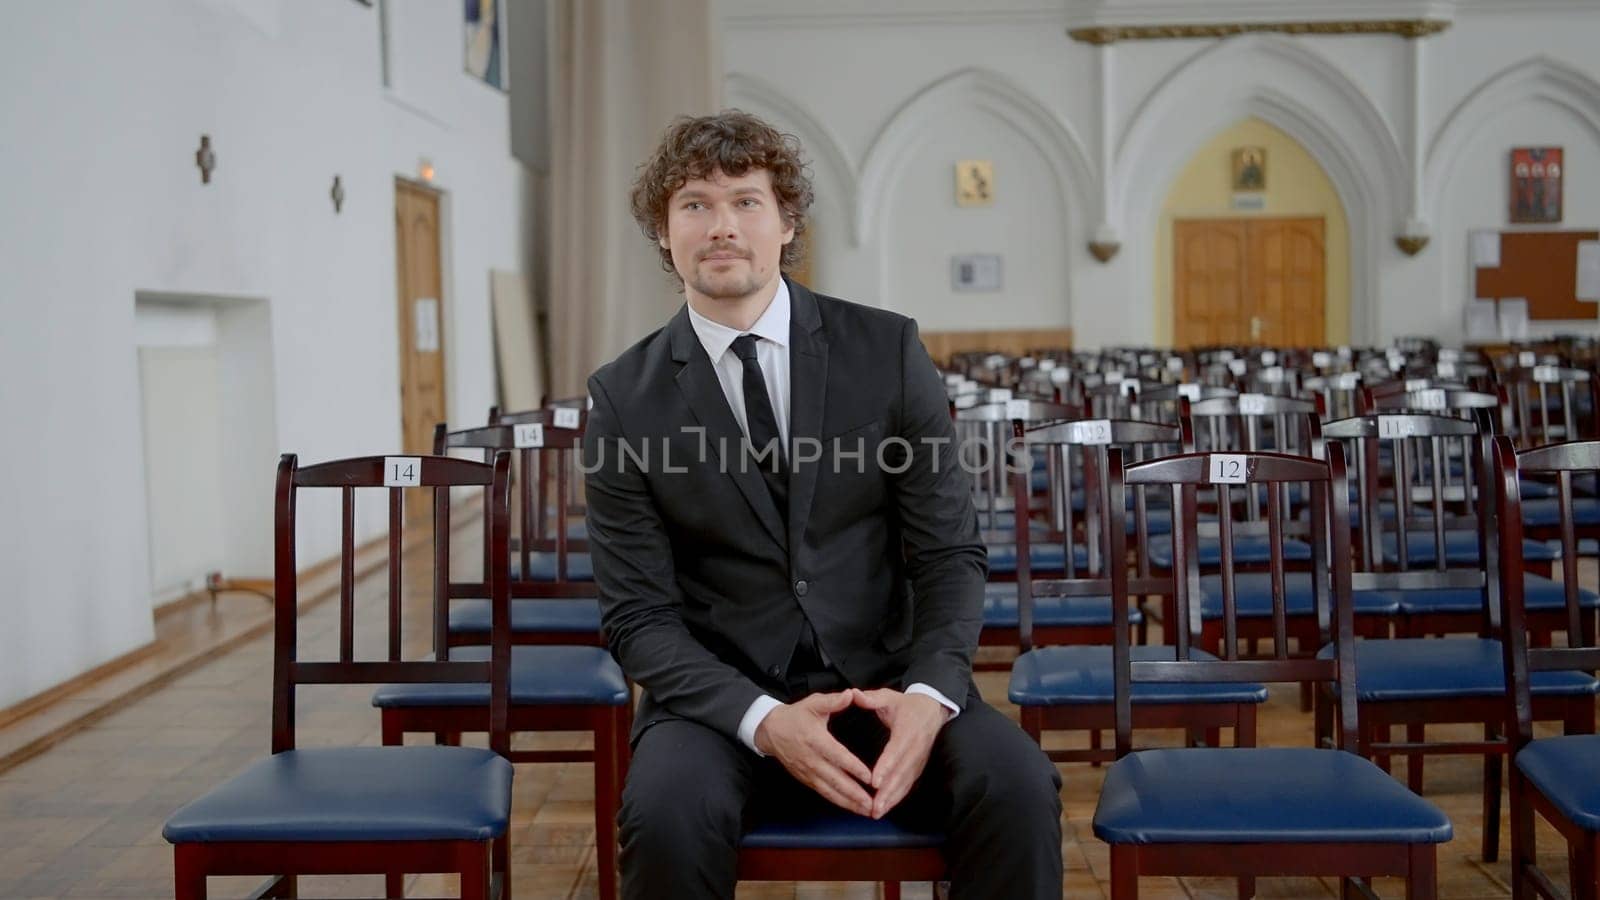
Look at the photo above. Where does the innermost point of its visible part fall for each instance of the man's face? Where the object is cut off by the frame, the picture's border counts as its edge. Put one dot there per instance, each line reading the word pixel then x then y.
pixel 726 234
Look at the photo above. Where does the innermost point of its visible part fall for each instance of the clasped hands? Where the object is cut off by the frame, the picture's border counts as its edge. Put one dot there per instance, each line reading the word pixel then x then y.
pixel 797 736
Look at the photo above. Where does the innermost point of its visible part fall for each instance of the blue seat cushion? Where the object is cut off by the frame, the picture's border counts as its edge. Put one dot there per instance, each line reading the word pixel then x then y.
pixel 1564 770
pixel 1539 594
pixel 576 616
pixel 1273 795
pixel 541 675
pixel 1444 668
pixel 1049 557
pixel 1000 609
pixel 811 827
pixel 355 794
pixel 1547 511
pixel 1460 549
pixel 542 567
pixel 1252 596
pixel 1082 675
pixel 1247 550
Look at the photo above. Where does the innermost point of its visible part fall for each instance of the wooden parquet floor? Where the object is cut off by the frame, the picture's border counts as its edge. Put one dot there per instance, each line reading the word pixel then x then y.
pixel 84 819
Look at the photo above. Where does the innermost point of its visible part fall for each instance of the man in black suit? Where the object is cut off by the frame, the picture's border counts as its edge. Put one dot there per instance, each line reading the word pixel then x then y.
pixel 787 552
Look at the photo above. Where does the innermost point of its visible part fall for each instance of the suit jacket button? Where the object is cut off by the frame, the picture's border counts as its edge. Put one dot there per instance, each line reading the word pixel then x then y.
pixel 775 671
pixel 800 588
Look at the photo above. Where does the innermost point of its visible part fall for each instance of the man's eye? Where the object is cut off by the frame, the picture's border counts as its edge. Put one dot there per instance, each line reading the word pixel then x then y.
pixel 749 202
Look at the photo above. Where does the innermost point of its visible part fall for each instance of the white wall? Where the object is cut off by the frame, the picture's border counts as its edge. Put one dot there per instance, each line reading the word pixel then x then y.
pixel 849 77
pixel 103 106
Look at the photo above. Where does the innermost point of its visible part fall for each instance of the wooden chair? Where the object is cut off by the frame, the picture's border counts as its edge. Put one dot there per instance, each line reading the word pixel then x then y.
pixel 552 610
pixel 1419 681
pixel 1557 776
pixel 1061 677
pixel 1250 812
pixel 349 810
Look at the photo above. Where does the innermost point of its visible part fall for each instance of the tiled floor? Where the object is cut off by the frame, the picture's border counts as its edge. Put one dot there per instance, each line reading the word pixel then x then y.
pixel 84 819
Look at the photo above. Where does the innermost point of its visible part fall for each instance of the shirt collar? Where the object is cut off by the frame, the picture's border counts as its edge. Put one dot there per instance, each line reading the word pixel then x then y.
pixel 773 325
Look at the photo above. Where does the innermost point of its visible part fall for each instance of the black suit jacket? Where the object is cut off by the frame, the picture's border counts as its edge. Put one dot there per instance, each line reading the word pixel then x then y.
pixel 702 584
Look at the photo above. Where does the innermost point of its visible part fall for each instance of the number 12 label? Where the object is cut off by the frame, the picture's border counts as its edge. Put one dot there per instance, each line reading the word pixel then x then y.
pixel 1228 468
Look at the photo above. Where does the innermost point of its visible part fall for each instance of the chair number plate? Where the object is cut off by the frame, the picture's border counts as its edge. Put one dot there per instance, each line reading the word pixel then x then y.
pixel 1174 364
pixel 402 471
pixel 999 395
pixel 1272 374
pixel 1445 369
pixel 1190 390
pixel 530 435
pixel 1416 384
pixel 1430 399
pixel 1091 431
pixel 1113 376
pixel 566 418
pixel 1396 427
pixel 1227 468
pixel 1348 381
pixel 1252 404
pixel 1527 359
pixel 1322 359
pixel 1546 374
pixel 1130 387
pixel 1238 366
pixel 1016 409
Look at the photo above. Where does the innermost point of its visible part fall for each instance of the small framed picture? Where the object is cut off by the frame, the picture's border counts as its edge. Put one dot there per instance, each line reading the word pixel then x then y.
pixel 1249 169
pixel 1536 174
pixel 483 26
pixel 975 272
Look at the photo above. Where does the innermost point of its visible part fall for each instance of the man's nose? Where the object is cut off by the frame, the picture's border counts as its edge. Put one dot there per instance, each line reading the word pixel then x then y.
pixel 724 226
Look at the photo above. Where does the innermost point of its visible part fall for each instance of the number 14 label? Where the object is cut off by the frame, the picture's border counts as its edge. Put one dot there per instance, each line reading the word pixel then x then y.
pixel 1228 468
pixel 402 471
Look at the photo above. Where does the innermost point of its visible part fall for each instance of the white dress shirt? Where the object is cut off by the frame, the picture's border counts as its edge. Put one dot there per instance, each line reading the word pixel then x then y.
pixel 772 354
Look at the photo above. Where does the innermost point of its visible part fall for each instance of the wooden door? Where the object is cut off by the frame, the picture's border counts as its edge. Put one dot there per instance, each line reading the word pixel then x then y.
pixel 421 317
pixel 1209 282
pixel 1249 281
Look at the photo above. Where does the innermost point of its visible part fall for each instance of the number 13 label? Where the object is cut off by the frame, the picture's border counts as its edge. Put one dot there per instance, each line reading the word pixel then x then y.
pixel 1227 468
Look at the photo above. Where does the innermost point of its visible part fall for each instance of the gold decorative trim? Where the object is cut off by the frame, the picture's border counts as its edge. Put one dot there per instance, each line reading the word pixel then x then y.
pixel 1407 28
pixel 1104 250
pixel 1411 245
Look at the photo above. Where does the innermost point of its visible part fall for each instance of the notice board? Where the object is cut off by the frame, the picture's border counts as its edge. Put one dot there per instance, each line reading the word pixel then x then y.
pixel 1543 267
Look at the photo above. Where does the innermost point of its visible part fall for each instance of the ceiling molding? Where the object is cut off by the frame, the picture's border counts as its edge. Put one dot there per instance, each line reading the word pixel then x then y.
pixel 1408 28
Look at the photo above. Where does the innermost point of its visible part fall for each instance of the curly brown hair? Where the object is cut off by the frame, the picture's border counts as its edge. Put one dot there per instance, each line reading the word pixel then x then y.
pixel 734 142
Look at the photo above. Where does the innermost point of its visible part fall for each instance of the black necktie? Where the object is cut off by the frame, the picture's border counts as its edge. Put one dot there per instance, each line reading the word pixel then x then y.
pixel 763 424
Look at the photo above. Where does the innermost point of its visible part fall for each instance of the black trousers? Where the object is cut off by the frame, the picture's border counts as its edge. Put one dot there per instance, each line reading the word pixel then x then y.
pixel 991 789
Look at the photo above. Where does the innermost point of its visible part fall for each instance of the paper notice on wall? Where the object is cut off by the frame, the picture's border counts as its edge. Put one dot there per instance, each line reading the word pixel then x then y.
pixel 1589 271
pixel 426 320
pixel 1481 323
pixel 1485 249
pixel 1513 319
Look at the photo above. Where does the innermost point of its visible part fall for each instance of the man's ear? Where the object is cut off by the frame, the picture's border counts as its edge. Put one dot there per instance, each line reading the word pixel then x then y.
pixel 662 240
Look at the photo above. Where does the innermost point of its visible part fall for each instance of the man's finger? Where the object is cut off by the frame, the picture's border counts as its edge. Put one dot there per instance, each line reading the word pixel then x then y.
pixel 890 795
pixel 876 699
pixel 888 762
pixel 838 788
pixel 840 757
pixel 831 703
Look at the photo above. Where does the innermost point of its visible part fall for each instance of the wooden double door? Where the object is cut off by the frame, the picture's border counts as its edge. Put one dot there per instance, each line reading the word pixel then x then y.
pixel 1255 281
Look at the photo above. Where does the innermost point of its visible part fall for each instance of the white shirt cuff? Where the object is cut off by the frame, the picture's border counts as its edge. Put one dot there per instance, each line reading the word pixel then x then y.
pixel 920 688
pixel 752 720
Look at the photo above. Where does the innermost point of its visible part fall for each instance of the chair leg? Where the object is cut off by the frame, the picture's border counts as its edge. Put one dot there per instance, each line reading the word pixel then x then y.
pixel 394 885
pixel 607 794
pixel 1491 798
pixel 1416 733
pixel 188 876
pixel 1522 835
pixel 1581 868
pixel 392 735
pixel 1307 690
pixel 1244 729
pixel 500 864
pixel 472 861
pixel 1247 887
pixel 1124 872
pixel 1422 875
pixel 891 890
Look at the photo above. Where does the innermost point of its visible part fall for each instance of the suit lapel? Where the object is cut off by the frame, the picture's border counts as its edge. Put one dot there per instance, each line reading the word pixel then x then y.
pixel 700 387
pixel 808 389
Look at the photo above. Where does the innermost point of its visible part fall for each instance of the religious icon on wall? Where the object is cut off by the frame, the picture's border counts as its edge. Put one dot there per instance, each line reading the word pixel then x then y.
pixel 974 182
pixel 1536 184
pixel 1250 169
pixel 483 26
